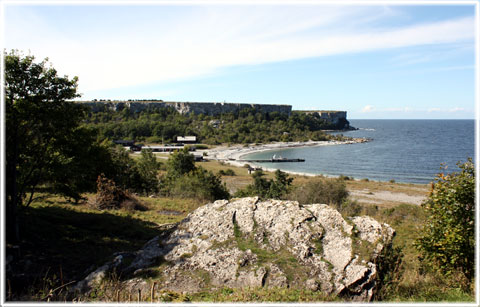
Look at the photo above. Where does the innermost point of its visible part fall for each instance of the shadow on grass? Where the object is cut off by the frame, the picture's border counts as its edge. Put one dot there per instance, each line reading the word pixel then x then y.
pixel 60 244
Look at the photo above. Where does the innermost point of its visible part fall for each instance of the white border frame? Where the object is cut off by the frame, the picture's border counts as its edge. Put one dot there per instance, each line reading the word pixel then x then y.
pixel 5 3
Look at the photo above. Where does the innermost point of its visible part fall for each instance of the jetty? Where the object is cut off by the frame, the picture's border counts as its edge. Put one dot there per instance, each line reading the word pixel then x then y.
pixel 274 159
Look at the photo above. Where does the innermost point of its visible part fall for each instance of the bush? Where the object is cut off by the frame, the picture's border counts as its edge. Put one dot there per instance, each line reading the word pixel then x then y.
pixel 184 179
pixel 322 191
pixel 343 177
pixel 201 146
pixel 148 167
pixel 448 240
pixel 277 188
pixel 199 183
pixel 228 172
pixel 180 163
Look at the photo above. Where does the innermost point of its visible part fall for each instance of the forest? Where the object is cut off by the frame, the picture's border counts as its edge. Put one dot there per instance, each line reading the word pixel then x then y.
pixel 246 126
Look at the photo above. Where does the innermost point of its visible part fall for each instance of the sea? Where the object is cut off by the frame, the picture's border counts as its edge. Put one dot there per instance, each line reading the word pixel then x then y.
pixel 408 151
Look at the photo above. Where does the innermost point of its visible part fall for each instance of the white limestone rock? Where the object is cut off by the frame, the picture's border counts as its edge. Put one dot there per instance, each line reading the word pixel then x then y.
pixel 250 243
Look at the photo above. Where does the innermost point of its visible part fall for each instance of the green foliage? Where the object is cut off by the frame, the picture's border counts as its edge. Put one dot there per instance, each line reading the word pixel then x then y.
pixel 275 188
pixel 180 163
pixel 148 167
pixel 321 190
pixel 448 236
pixel 41 126
pixel 123 169
pixel 184 179
pixel 389 272
pixel 246 126
pixel 228 172
pixel 45 145
pixel 198 183
pixel 140 176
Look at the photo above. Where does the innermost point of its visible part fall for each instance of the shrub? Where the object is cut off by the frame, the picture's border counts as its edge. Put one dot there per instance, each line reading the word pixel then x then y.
pixel 184 179
pixel 343 177
pixel 448 240
pixel 148 167
pixel 199 183
pixel 321 191
pixel 277 188
pixel 180 163
pixel 228 172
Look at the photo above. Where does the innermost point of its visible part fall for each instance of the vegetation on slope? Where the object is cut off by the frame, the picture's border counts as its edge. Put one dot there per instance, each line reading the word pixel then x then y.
pixel 246 126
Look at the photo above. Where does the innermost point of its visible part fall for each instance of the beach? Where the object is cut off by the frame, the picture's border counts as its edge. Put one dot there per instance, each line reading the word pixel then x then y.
pixel 233 154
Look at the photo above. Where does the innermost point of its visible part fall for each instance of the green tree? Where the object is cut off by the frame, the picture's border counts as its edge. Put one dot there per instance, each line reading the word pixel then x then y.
pixel 199 184
pixel 148 168
pixel 41 127
pixel 267 188
pixel 180 163
pixel 185 179
pixel 280 186
pixel 448 236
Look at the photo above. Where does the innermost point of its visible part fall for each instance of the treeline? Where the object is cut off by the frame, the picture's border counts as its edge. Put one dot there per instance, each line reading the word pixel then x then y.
pixel 245 126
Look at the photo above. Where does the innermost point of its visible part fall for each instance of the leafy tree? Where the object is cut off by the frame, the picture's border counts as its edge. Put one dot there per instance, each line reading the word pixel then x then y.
pixel 267 188
pixel 185 179
pixel 180 163
pixel 122 169
pixel 448 236
pixel 41 128
pixel 280 186
pixel 200 184
pixel 148 168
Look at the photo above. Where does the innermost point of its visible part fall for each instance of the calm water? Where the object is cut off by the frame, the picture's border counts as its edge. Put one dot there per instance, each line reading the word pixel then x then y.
pixel 403 150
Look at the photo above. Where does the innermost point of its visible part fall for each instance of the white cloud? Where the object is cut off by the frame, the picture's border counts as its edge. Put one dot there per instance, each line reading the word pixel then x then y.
pixel 432 110
pixel 203 40
pixel 403 109
pixel 368 109
pixel 456 109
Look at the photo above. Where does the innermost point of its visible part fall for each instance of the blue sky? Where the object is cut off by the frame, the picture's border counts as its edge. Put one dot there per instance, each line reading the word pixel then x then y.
pixel 374 61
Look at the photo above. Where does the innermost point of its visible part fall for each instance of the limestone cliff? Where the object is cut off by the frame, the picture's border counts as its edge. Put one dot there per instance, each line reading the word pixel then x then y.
pixel 207 108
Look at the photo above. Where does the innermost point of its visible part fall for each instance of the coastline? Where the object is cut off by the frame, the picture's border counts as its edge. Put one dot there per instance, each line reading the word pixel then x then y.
pixel 233 154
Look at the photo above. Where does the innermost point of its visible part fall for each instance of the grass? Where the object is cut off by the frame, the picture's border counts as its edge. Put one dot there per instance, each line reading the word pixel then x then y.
pixel 263 295
pixel 63 242
pixel 416 283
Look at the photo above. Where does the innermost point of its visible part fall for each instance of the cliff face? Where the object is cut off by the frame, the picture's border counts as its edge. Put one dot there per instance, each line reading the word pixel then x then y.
pixel 334 117
pixel 216 108
pixel 207 108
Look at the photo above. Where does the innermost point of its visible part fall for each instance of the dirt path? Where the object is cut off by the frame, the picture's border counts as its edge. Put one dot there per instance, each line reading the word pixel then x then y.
pixel 380 197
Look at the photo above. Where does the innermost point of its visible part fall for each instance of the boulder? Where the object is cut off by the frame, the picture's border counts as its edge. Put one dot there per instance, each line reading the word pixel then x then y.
pixel 250 243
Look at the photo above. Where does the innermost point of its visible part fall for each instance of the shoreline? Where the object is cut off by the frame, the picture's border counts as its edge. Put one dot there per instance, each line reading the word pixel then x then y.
pixel 233 155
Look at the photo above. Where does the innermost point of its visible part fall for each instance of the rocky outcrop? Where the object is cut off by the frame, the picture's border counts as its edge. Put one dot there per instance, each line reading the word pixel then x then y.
pixel 336 118
pixel 252 243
